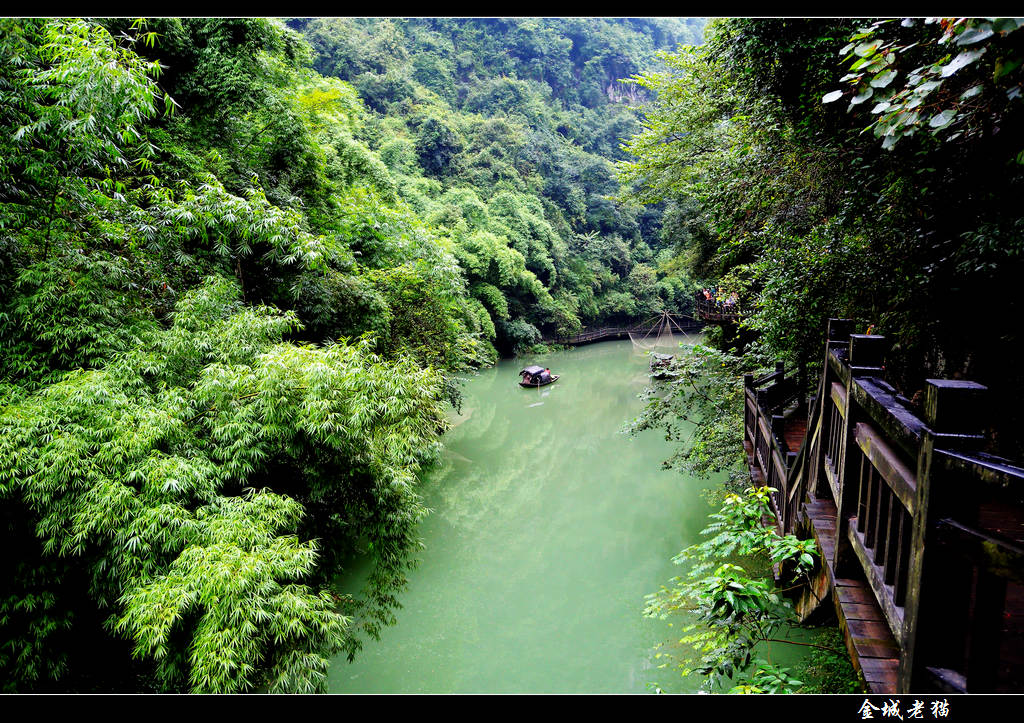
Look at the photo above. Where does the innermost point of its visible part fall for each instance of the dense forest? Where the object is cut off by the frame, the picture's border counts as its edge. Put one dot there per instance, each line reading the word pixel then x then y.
pixel 847 168
pixel 822 169
pixel 502 134
pixel 241 261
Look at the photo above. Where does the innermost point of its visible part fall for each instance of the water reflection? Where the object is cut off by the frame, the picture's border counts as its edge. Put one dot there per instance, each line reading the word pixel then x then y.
pixel 548 528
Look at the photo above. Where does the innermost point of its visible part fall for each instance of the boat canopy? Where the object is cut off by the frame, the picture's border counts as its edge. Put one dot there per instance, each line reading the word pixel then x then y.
pixel 531 371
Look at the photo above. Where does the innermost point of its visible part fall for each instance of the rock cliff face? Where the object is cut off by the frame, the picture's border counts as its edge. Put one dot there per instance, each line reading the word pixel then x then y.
pixel 622 93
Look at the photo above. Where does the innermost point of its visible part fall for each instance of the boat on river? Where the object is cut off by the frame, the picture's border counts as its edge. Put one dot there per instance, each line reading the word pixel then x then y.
pixel 536 377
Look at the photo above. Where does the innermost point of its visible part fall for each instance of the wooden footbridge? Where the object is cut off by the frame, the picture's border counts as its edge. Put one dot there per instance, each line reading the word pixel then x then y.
pixel 921 533
pixel 657 326
pixel 717 312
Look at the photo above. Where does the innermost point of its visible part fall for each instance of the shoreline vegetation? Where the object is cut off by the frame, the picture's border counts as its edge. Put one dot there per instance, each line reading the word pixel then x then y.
pixel 243 262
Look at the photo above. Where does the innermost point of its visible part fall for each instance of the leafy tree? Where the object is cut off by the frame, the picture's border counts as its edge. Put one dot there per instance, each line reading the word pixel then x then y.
pixel 437 145
pixel 787 196
pixel 153 471
pixel 183 476
pixel 232 293
pixel 512 129
pixel 945 91
pixel 733 612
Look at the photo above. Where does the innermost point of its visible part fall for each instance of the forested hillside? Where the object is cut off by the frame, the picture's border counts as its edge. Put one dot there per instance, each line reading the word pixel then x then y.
pixel 866 170
pixel 239 265
pixel 502 134
pixel 242 262
pixel 851 168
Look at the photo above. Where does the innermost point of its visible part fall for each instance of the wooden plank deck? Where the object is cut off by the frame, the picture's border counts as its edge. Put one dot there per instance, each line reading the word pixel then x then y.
pixel 968 636
pixel 869 641
pixel 794 431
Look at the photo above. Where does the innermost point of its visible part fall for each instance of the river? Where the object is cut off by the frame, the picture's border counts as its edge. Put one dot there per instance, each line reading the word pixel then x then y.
pixel 548 527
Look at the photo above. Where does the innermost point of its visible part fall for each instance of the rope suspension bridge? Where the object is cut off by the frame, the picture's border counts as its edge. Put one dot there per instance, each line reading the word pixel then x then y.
pixel 657 331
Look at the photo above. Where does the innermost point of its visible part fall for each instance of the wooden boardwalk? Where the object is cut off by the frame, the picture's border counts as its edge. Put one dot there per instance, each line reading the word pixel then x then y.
pixel 589 336
pixel 921 534
pixel 716 312
pixel 869 641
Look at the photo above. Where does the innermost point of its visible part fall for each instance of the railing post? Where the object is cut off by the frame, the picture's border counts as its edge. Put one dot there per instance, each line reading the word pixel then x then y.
pixel 801 385
pixel 775 432
pixel 749 418
pixel 778 427
pixel 939 587
pixel 953 410
pixel 867 354
pixel 789 512
pixel 838 331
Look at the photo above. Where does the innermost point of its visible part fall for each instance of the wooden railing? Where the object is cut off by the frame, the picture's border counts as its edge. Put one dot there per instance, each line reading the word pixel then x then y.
pixel 933 527
pixel 970 621
pixel 766 399
pixel 588 336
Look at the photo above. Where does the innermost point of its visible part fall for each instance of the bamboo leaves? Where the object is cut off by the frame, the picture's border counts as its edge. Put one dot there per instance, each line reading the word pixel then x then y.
pixel 142 463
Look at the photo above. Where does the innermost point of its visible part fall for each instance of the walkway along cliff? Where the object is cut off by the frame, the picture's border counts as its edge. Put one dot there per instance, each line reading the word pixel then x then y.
pixel 921 533
pixel 664 323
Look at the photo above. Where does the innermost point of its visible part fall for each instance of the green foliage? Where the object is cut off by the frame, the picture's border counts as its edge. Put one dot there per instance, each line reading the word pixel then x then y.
pixel 733 612
pixel 955 88
pixel 234 227
pixel 232 294
pixel 700 407
pixel 423 320
pixel 78 100
pixel 768 678
pixel 828 669
pixel 70 311
pixel 508 144
pixel 521 334
pixel 793 202
pixel 437 145
pixel 234 80
pixel 152 471
pixel 32 603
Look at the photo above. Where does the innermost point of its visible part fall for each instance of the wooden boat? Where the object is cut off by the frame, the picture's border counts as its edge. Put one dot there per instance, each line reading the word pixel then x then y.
pixel 536 377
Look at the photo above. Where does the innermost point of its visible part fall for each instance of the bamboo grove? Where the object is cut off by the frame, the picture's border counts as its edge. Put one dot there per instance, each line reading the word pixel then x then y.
pixel 241 263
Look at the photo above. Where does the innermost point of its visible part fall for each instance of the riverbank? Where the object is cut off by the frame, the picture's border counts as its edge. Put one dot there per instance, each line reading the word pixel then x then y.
pixel 549 525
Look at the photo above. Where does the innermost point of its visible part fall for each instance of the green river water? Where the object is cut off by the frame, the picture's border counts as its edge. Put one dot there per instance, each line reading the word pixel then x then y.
pixel 548 527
